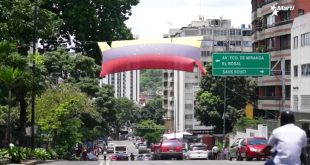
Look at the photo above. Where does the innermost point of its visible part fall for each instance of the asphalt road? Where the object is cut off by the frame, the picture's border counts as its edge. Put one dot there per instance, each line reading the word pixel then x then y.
pixel 132 149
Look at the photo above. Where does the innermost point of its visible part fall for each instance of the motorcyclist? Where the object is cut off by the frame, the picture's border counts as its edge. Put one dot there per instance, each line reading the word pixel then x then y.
pixel 132 157
pixel 288 141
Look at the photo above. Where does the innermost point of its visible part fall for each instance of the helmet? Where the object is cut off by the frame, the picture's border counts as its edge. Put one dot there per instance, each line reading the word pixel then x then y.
pixel 287 117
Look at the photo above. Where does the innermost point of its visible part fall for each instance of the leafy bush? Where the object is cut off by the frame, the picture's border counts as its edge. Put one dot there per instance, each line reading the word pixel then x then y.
pixel 28 152
pixel 41 153
pixel 52 153
pixel 16 154
pixel 3 153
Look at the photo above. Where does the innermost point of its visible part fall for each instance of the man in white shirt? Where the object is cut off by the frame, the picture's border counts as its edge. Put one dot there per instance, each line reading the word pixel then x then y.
pixel 215 150
pixel 288 141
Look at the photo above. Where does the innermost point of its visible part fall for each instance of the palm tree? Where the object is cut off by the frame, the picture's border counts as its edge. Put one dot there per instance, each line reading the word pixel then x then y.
pixel 9 76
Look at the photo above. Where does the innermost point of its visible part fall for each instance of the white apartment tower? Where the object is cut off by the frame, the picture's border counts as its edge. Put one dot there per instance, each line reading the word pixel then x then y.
pixel 126 84
pixel 300 64
pixel 179 87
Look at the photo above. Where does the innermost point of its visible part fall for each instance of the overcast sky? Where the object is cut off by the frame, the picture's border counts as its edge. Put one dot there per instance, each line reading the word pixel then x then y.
pixel 153 18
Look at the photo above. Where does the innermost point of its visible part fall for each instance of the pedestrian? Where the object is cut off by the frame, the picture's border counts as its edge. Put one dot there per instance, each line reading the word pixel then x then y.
pixel 215 150
pixel 104 155
pixel 225 152
pixel 84 154
pixel 288 141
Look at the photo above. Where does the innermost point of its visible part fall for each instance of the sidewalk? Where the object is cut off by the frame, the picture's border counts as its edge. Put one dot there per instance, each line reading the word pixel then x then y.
pixel 32 162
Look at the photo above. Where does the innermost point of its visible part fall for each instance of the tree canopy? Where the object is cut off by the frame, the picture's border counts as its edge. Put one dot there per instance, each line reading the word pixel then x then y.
pixel 209 105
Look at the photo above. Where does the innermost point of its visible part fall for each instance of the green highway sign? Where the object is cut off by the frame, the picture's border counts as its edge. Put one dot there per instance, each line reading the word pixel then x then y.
pixel 240 64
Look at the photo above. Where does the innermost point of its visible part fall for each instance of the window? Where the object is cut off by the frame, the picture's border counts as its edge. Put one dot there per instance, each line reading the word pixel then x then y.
pixel 301 12
pixel 287 67
pixel 305 39
pixel 269 43
pixel 270 20
pixel 285 15
pixel 295 70
pixel 285 42
pixel 191 32
pixel 304 102
pixel 238 32
pixel 188 106
pixel 223 32
pixel 217 32
pixel 203 53
pixel 246 33
pixel 305 70
pixel 232 32
pixel 188 117
pixel 203 31
pixel 295 102
pixel 246 43
pixel 220 43
pixel 295 42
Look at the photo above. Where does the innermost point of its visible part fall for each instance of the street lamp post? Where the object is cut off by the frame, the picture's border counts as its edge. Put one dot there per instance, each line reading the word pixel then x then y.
pixel 224 112
pixel 33 74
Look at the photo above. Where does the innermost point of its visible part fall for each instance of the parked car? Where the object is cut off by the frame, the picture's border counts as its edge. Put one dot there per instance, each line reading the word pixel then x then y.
pixel 251 147
pixel 234 150
pixel 121 156
pixel 144 157
pixel 169 149
pixel 248 148
pixel 143 149
pixel 198 151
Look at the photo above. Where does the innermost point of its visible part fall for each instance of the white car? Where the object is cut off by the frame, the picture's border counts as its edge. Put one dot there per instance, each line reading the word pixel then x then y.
pixel 198 151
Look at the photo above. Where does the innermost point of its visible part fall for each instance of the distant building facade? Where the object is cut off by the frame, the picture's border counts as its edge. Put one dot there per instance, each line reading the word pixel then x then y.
pixel 300 68
pixel 272 21
pixel 179 87
pixel 126 84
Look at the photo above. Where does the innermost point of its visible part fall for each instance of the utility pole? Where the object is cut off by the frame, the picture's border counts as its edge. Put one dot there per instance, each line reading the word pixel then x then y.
pixel 224 113
pixel 33 74
pixel 283 83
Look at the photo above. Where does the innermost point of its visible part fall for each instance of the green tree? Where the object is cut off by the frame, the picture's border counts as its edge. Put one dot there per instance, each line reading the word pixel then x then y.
pixel 17 22
pixel 246 122
pixel 209 101
pixel 9 77
pixel 125 111
pixel 60 114
pixel 9 58
pixel 150 80
pixel 149 130
pixel 153 110
pixel 97 20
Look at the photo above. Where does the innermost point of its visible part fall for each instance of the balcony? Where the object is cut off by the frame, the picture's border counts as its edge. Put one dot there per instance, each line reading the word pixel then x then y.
pixel 273 81
pixel 272 104
pixel 278 29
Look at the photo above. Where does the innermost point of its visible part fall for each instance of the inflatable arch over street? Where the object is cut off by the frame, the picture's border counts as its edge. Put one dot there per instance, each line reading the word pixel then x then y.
pixel 167 53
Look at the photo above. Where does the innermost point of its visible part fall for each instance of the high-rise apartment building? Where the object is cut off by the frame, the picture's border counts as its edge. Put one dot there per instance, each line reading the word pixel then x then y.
pixel 179 87
pixel 126 84
pixel 271 24
pixel 300 69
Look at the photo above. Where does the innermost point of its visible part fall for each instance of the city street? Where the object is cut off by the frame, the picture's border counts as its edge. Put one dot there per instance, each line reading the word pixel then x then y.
pixel 132 149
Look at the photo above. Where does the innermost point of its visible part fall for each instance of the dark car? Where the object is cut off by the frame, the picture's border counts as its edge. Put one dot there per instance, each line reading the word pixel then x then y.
pixel 121 156
pixel 169 149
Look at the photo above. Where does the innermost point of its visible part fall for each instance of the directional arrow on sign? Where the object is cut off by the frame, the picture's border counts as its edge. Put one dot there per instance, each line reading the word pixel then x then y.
pixel 261 71
pixel 217 60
